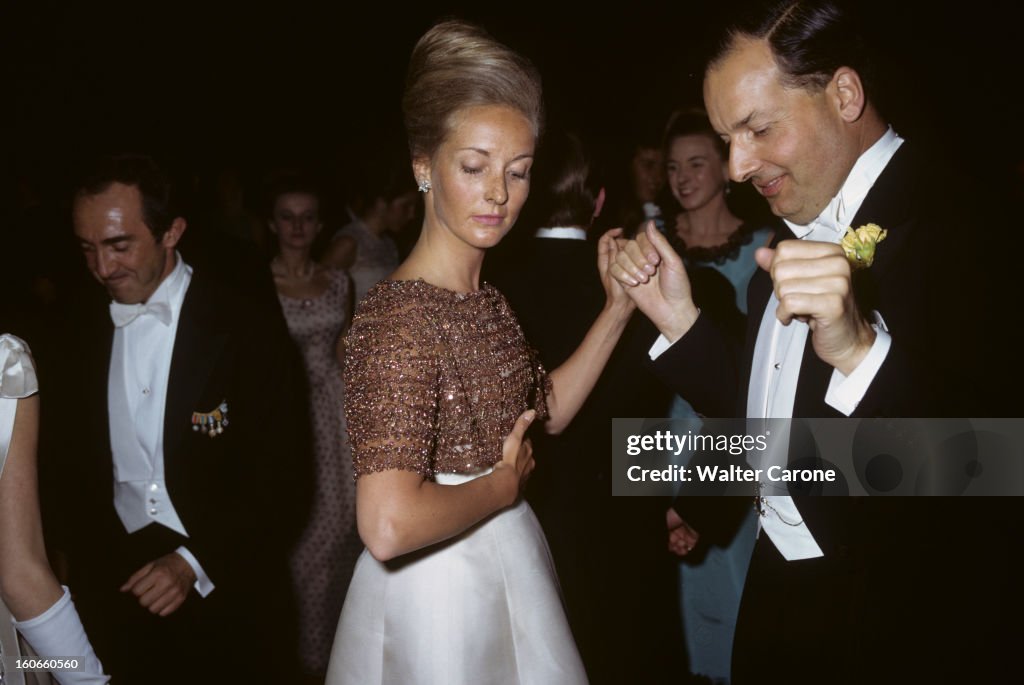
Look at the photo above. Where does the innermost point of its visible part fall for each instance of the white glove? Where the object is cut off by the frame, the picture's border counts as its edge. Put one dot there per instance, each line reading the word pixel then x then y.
pixel 58 632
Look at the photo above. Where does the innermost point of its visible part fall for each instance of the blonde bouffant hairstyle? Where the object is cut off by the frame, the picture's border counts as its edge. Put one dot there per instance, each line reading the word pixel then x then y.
pixel 456 65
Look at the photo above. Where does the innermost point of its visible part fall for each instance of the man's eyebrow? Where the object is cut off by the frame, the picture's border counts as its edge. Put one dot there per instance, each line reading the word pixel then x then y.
pixel 746 120
pixel 115 240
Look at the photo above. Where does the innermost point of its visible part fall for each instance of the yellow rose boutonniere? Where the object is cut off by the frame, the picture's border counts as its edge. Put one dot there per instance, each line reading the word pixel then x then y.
pixel 859 245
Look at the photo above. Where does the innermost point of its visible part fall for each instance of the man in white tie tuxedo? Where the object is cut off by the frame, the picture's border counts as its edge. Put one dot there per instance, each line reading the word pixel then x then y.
pixel 179 499
pixel 840 589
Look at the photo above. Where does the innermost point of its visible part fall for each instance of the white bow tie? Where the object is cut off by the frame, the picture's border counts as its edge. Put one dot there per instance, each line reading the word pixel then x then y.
pixel 124 314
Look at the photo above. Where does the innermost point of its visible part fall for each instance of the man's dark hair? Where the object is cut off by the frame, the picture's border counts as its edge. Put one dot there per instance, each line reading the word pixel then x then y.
pixel 563 183
pixel 810 40
pixel 158 203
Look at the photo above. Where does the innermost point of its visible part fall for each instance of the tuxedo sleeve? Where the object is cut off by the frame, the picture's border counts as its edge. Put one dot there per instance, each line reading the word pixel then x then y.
pixel 702 367
pixel 937 363
pixel 943 283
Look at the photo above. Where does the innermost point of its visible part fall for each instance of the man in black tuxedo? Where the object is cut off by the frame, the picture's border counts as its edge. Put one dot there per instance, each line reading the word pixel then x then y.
pixel 183 487
pixel 610 558
pixel 840 589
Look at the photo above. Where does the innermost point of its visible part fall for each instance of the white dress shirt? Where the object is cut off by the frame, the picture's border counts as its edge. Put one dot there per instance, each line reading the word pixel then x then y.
pixel 564 232
pixel 778 354
pixel 140 364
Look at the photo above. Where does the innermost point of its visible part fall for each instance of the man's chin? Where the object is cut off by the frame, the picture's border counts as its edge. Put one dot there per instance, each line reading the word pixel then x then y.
pixel 789 214
pixel 122 297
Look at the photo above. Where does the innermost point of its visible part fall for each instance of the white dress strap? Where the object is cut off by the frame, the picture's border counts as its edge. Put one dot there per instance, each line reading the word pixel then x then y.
pixel 17 380
pixel 17 370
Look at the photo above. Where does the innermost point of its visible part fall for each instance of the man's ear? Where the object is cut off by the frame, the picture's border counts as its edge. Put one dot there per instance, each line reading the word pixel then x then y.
pixel 848 91
pixel 174 233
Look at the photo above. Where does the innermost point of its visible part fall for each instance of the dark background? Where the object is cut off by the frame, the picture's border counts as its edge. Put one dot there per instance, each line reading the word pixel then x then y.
pixel 250 90
pixel 288 82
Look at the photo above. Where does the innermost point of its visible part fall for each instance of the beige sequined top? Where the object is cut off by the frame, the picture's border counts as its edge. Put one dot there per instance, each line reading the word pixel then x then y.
pixel 436 379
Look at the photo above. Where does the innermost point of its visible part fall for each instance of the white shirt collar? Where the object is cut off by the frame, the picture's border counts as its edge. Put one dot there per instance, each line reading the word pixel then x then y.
pixel 840 211
pixel 566 232
pixel 170 286
pixel 169 296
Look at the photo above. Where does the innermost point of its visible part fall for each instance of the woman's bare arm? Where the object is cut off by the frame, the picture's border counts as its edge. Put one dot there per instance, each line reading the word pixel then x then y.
pixel 576 377
pixel 399 511
pixel 27 584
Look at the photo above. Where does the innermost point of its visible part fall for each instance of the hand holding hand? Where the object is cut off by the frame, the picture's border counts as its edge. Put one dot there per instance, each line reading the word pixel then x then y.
pixel 655 278
pixel 812 282
pixel 517 458
pixel 615 293
pixel 162 585
pixel 681 537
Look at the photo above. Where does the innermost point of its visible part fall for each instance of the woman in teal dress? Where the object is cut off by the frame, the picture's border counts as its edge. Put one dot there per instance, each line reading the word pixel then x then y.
pixel 709 236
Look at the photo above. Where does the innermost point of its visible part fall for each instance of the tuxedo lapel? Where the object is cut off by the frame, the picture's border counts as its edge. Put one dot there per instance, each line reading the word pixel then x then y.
pixel 758 293
pixel 98 368
pixel 760 289
pixel 198 346
pixel 892 204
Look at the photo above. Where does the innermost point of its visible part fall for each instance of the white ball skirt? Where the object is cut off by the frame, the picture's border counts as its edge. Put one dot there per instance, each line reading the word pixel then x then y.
pixel 482 608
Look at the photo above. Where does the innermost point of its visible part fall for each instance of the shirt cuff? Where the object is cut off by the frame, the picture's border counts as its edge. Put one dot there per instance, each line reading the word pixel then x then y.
pixel 845 392
pixel 203 584
pixel 659 346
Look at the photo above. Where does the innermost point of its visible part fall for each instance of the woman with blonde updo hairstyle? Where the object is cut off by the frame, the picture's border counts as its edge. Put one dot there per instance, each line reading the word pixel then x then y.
pixel 457 584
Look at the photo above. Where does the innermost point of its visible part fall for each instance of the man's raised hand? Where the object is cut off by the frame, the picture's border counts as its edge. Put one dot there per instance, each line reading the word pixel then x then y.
pixel 654 276
pixel 812 281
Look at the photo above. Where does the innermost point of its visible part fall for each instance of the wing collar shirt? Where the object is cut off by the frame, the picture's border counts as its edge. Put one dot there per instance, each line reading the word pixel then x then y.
pixel 140 365
pixel 566 233
pixel 778 353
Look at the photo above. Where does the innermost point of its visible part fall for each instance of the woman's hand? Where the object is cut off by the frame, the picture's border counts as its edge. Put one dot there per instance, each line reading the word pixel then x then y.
pixel 517 462
pixel 615 293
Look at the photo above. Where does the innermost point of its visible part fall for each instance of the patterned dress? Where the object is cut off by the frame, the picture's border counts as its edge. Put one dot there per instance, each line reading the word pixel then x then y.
pixel 436 381
pixel 327 551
